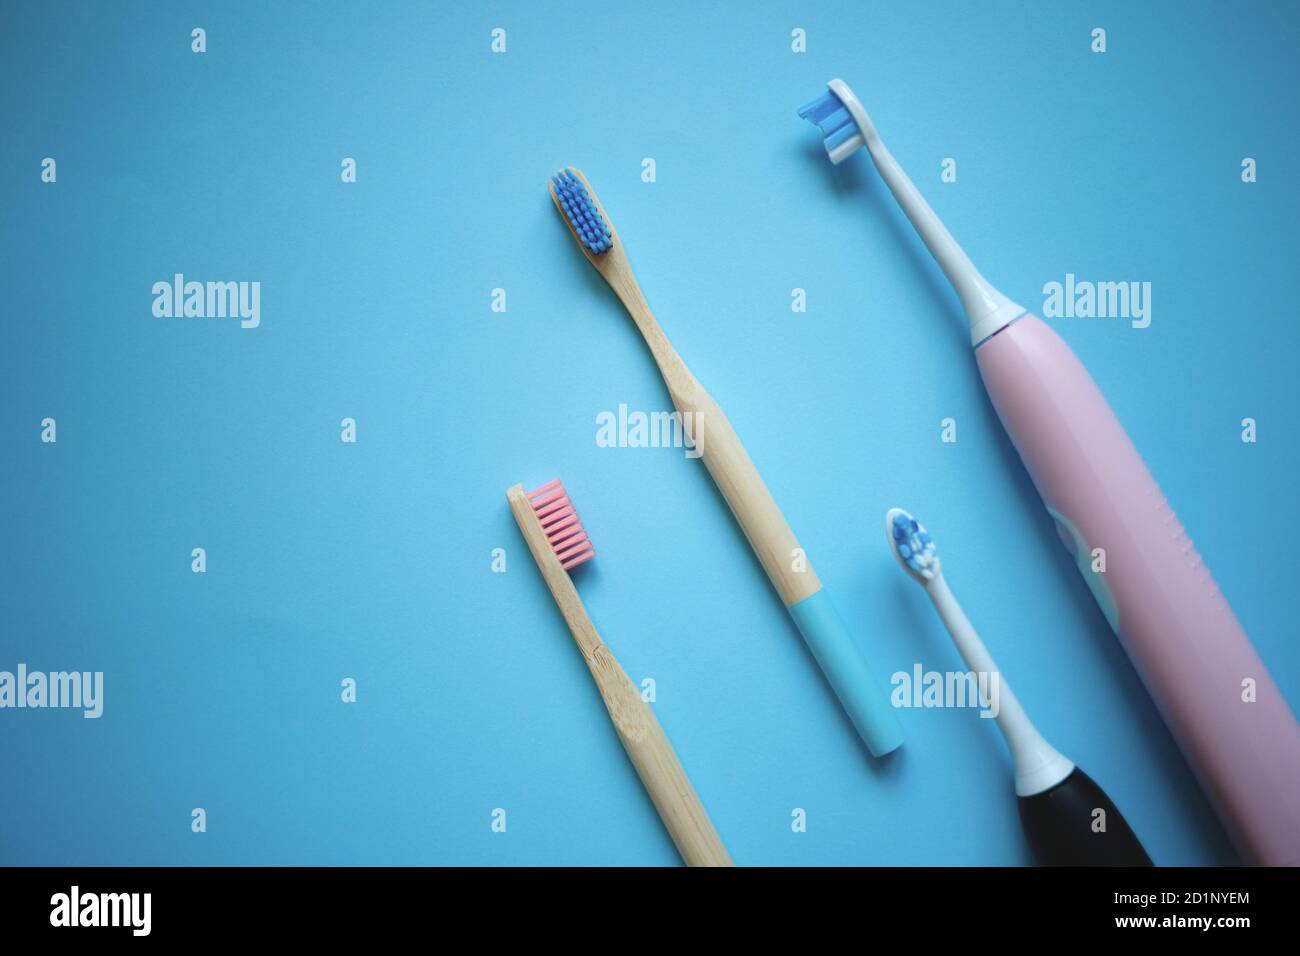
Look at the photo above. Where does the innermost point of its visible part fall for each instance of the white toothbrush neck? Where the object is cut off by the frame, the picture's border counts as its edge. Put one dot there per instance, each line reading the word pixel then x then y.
pixel 987 309
pixel 1038 764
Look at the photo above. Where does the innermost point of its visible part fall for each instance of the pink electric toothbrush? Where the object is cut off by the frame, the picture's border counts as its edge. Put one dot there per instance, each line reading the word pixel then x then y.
pixel 1214 692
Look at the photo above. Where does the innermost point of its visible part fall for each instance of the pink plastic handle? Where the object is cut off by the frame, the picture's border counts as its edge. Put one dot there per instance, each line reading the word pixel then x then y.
pixel 1170 616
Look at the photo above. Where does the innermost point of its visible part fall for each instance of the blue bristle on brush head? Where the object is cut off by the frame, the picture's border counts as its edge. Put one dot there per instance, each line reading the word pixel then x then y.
pixel 580 209
pixel 830 116
pixel 913 544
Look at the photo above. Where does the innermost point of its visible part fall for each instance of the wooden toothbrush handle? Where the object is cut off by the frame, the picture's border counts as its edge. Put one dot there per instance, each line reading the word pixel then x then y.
pixel 769 535
pixel 765 527
pixel 703 419
pixel 652 755
pixel 791 573
pixel 656 763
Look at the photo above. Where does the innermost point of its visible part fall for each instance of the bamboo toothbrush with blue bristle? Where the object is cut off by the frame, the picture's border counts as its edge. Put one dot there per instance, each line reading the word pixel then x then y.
pixel 765 527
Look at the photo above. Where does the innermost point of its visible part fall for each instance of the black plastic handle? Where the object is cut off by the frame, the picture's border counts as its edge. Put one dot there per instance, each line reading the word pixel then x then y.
pixel 1065 829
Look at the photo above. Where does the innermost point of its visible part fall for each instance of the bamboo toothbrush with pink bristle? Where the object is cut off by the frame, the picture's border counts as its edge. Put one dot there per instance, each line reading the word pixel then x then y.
pixel 713 437
pixel 559 543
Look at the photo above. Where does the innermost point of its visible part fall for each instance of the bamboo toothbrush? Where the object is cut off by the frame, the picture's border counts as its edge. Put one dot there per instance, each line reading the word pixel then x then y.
pixel 737 478
pixel 1058 802
pixel 1219 700
pixel 559 543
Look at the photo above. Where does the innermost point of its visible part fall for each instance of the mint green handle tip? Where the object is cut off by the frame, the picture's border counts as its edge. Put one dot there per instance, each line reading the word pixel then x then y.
pixel 865 701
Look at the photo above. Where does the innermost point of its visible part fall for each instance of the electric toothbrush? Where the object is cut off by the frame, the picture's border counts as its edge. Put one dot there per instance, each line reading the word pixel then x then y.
pixel 1217 697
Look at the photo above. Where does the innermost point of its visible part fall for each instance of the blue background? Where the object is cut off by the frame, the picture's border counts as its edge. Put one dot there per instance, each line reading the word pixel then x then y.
pixel 328 560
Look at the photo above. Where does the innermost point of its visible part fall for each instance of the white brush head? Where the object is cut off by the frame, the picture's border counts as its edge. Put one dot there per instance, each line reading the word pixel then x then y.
pixel 842 120
pixel 845 126
pixel 912 546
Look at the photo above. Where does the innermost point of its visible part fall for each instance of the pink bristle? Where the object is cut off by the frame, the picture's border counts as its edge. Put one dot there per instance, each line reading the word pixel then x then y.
pixel 564 531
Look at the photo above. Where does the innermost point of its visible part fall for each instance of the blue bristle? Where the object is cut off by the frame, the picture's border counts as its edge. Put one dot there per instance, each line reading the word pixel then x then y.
pixel 832 117
pixel 843 134
pixel 581 211
pixel 837 121
pixel 914 545
pixel 820 108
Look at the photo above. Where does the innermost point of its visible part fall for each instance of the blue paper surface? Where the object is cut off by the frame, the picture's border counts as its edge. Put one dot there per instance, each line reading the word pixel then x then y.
pixel 372 560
